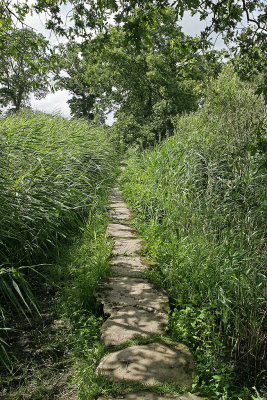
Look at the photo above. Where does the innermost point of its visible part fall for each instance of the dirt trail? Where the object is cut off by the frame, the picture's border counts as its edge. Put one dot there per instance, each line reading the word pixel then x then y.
pixel 136 307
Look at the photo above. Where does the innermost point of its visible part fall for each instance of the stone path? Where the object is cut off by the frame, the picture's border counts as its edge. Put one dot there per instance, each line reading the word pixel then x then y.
pixel 135 307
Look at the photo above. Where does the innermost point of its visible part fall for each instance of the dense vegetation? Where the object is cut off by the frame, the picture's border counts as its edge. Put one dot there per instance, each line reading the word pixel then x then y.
pixel 53 174
pixel 201 205
pixel 192 121
pixel 54 354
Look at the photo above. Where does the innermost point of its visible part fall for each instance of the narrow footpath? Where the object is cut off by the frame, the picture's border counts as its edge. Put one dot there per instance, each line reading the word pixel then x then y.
pixel 136 307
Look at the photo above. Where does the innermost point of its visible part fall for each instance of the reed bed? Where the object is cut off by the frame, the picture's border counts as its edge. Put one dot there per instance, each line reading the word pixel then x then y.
pixel 201 203
pixel 52 172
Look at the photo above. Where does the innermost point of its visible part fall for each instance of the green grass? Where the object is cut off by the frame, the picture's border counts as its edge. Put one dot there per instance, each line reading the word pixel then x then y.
pixel 57 355
pixel 201 205
pixel 53 173
pixel 54 355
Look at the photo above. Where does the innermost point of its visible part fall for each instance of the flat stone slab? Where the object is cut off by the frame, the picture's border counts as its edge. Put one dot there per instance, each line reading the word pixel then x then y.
pixel 120 292
pixel 119 204
pixel 116 191
pixel 120 214
pixel 127 246
pixel 130 266
pixel 153 396
pixel 115 195
pixel 119 230
pixel 115 199
pixel 150 364
pixel 131 321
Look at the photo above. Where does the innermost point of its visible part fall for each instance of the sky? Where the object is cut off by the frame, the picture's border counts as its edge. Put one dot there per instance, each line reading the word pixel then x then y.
pixel 53 103
pixel 57 102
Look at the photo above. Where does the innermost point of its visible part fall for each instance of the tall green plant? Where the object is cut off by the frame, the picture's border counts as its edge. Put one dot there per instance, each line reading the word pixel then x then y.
pixel 202 198
pixel 52 172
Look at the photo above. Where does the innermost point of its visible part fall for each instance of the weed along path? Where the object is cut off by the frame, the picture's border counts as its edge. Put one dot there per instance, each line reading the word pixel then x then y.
pixel 135 308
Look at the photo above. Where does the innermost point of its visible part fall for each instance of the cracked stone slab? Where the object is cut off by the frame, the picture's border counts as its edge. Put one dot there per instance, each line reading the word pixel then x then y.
pixel 127 246
pixel 121 292
pixel 149 364
pixel 120 214
pixel 130 266
pixel 120 230
pixel 131 321
pixel 153 396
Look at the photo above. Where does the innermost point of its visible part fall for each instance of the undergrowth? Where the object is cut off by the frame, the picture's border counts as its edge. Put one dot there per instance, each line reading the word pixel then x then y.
pixel 201 206
pixel 54 353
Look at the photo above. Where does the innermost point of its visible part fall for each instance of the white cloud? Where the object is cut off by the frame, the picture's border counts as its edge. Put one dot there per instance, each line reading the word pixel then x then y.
pixel 53 103
pixel 191 24
pixel 38 21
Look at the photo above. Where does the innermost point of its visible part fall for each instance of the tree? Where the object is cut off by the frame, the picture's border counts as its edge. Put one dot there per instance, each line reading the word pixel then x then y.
pixel 149 83
pixel 90 15
pixel 224 16
pixel 24 67
pixel 71 75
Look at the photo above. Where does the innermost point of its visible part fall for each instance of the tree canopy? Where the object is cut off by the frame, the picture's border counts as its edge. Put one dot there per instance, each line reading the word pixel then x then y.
pixel 24 67
pixel 148 83
pixel 242 23
pixel 71 75
pixel 223 16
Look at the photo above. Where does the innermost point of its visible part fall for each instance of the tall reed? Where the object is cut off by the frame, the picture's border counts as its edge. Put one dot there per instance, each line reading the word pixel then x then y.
pixel 201 200
pixel 51 173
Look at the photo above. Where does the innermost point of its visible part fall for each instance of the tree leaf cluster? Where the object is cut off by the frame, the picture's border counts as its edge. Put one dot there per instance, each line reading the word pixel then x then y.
pixel 137 21
pixel 90 17
pixel 148 83
pixel 24 67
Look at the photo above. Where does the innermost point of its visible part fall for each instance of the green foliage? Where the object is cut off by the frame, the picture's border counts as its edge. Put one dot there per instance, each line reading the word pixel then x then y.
pixel 195 326
pixel 147 84
pixel 201 202
pixel 52 175
pixel 52 170
pixel 225 14
pixel 250 58
pixel 63 347
pixel 137 18
pixel 24 67
pixel 70 74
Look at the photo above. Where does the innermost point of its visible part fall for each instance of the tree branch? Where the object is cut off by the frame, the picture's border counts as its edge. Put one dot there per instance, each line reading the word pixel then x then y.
pixel 252 19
